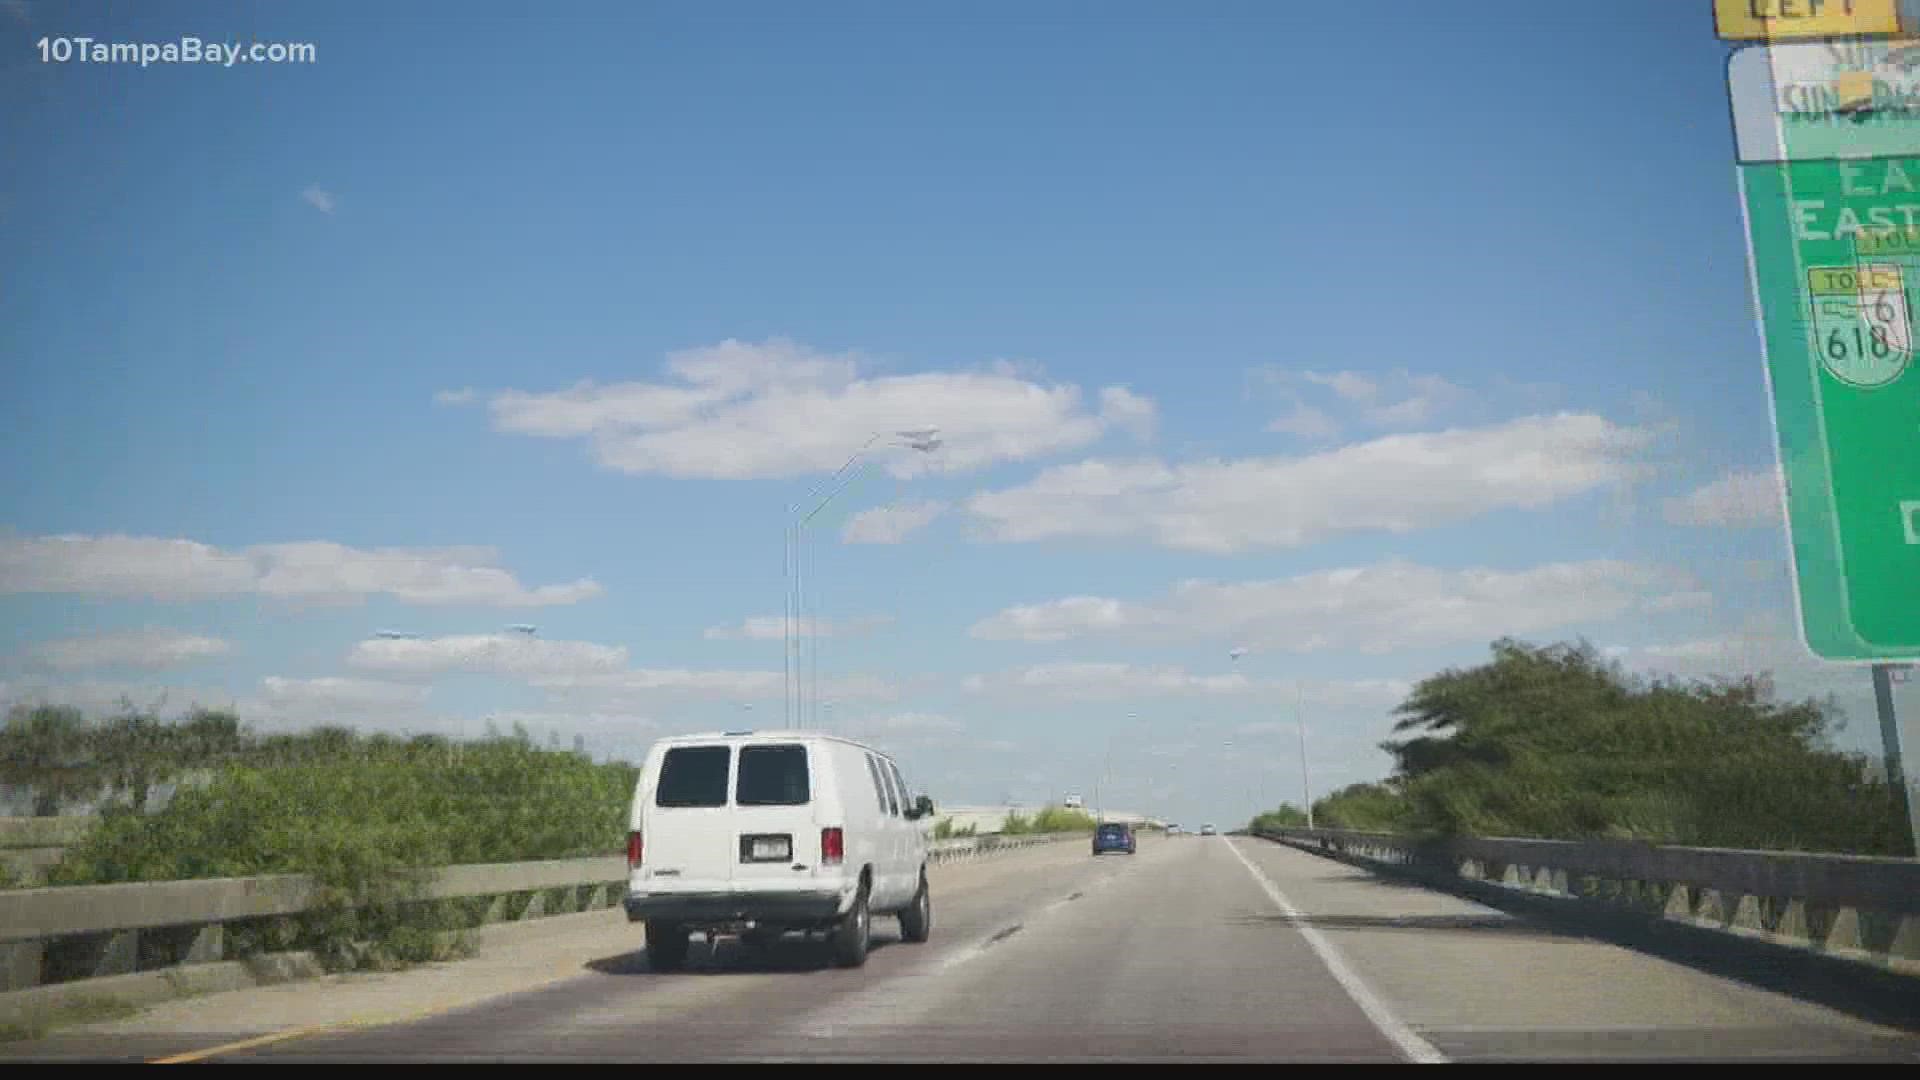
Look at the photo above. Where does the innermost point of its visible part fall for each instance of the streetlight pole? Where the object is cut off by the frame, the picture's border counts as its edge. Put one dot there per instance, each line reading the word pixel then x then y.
pixel 1884 678
pixel 1300 726
pixel 1306 786
pixel 792 666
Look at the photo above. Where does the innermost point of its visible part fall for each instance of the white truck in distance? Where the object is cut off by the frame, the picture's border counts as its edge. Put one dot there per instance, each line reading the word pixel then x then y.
pixel 763 834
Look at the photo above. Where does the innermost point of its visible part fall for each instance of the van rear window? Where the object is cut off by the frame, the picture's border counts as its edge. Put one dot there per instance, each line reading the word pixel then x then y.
pixel 772 776
pixel 693 776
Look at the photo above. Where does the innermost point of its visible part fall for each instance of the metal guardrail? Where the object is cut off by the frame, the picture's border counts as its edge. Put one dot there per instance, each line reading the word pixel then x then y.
pixel 73 933
pixel 29 847
pixel 70 933
pixel 1861 909
pixel 962 849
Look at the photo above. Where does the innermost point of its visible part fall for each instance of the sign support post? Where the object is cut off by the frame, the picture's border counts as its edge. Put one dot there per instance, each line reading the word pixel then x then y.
pixel 1891 744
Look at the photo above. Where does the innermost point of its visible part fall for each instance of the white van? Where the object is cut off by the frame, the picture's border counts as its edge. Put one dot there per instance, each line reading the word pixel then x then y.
pixel 759 834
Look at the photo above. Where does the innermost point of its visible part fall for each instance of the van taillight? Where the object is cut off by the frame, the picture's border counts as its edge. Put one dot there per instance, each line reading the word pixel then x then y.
pixel 833 847
pixel 633 850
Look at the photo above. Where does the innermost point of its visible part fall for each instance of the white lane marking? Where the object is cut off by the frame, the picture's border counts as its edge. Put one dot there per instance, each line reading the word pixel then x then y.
pixel 1416 1049
pixel 979 948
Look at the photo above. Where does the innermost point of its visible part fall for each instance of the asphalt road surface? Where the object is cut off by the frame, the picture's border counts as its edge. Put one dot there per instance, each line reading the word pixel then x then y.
pixel 1196 949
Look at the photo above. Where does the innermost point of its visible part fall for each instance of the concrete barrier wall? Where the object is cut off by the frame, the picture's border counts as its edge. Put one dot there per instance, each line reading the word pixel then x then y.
pixel 98 931
pixel 1854 908
pixel 108 928
pixel 968 848
pixel 31 832
pixel 29 847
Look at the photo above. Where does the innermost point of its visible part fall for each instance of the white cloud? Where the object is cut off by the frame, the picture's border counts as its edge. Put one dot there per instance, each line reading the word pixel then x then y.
pixel 1689 600
pixel 463 396
pixel 149 648
pixel 772 628
pixel 1374 609
pixel 1349 385
pixel 778 409
pixel 510 655
pixel 1392 400
pixel 1306 422
pixel 284 703
pixel 1738 499
pixel 647 683
pixel 1128 411
pixel 1763 646
pixel 336 692
pixel 890 524
pixel 98 697
pixel 134 566
pixel 915 723
pixel 1062 620
pixel 1397 484
pixel 1097 681
pixel 318 198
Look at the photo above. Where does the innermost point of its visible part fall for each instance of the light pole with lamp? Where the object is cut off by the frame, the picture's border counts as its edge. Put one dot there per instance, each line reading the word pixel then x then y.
pixel 923 440
pixel 1306 785
pixel 1106 769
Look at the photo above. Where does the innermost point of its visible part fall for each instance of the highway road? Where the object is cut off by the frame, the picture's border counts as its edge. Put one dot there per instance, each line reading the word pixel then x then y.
pixel 1196 949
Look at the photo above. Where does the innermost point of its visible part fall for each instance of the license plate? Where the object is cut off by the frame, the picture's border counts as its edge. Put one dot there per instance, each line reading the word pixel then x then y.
pixel 772 848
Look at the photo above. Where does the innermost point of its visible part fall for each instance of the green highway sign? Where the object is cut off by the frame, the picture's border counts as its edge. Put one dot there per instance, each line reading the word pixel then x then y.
pixel 1829 148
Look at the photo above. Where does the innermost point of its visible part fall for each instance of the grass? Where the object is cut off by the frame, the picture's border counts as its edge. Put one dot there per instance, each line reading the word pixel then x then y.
pixel 83 1010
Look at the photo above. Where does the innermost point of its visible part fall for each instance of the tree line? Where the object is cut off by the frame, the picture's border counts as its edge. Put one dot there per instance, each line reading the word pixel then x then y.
pixel 1557 742
pixel 64 758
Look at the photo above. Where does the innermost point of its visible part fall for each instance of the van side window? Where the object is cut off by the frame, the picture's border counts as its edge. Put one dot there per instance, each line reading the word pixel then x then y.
pixel 906 800
pixel 893 797
pixel 879 789
pixel 693 776
pixel 772 776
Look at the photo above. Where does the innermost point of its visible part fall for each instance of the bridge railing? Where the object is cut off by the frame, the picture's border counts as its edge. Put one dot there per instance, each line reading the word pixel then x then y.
pixel 962 849
pixel 72 933
pixel 1855 908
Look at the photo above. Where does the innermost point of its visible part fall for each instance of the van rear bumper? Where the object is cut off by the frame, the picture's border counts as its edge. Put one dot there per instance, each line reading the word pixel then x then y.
pixel 777 909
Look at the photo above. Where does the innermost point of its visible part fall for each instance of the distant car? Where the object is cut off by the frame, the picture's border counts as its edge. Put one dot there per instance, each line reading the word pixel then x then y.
pixel 1206 830
pixel 1113 836
pixel 1173 830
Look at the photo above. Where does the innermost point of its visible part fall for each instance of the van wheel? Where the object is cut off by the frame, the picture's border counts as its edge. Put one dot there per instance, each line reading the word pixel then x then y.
pixel 916 919
pixel 851 937
pixel 666 946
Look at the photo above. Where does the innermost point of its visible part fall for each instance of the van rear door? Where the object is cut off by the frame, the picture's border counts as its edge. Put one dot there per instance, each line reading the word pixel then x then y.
pixel 688 835
pixel 774 825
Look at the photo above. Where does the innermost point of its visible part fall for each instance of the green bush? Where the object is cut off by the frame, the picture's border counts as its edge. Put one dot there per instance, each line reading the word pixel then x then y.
pixel 365 817
pixel 1048 819
pixel 945 829
pixel 1287 816
pixel 1362 807
pixel 1552 742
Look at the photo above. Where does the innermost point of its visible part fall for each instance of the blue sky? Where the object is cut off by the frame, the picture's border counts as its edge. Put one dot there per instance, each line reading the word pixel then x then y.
pixel 1387 337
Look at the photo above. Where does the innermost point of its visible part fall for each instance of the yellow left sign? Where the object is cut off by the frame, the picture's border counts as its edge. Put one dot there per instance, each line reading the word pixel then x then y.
pixel 1791 20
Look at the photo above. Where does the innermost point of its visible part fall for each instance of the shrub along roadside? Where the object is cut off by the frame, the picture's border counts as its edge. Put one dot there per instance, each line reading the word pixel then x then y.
pixel 945 829
pixel 1048 819
pixel 1556 742
pixel 367 823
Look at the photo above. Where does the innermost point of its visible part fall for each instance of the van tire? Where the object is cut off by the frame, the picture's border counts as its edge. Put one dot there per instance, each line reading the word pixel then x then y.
pixel 667 945
pixel 855 932
pixel 916 919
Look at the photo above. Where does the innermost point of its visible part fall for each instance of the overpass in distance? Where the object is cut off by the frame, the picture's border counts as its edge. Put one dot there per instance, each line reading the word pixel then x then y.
pixel 991 819
pixel 1229 948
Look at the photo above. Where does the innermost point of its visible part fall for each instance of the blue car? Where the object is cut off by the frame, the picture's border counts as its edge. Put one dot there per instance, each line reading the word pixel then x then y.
pixel 1113 837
